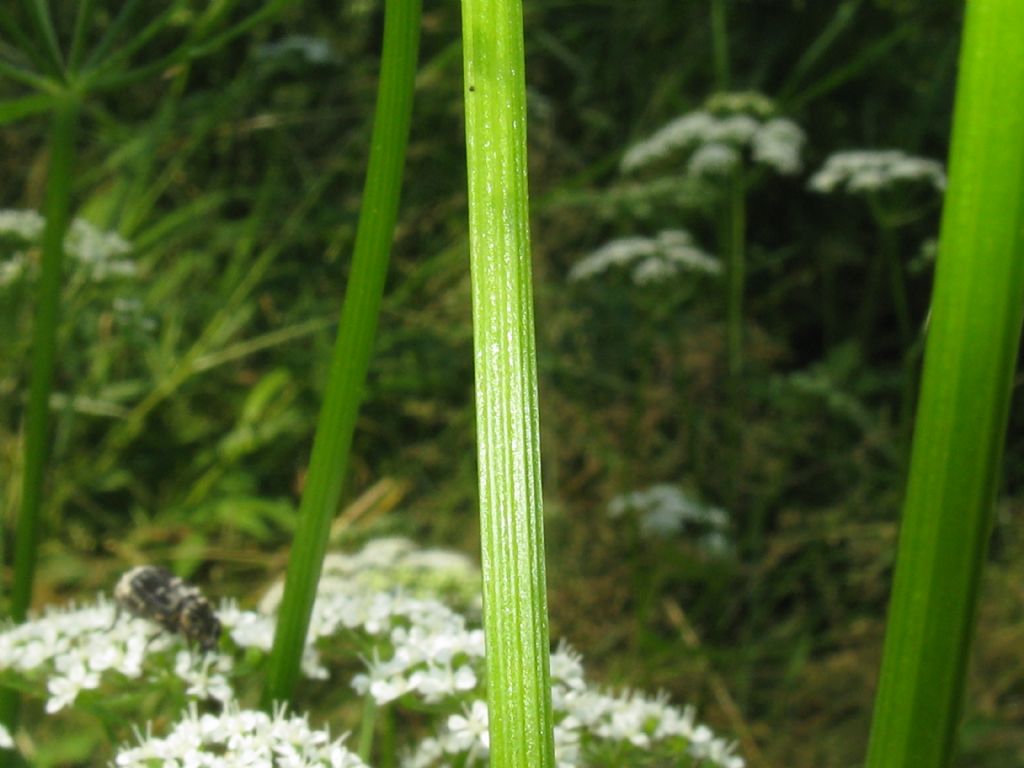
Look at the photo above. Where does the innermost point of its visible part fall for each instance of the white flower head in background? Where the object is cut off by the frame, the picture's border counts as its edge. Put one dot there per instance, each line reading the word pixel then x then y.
pixel 717 137
pixel 396 563
pixel 25 225
pixel 311 50
pixel 859 171
pixel 665 510
pixel 649 259
pixel 238 737
pixel 97 254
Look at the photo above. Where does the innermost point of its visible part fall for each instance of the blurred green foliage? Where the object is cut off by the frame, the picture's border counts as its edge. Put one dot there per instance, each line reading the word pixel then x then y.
pixel 184 438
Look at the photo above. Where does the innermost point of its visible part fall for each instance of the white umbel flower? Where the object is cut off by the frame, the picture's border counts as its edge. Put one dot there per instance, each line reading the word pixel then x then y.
pixel 649 259
pixel 238 737
pixel 76 649
pixel 857 171
pixel 23 224
pixel 718 138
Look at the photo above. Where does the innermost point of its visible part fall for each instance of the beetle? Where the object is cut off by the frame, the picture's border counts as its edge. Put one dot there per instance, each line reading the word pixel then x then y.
pixel 154 593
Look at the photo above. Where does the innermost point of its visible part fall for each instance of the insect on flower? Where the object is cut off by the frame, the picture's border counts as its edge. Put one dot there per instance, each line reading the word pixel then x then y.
pixel 154 593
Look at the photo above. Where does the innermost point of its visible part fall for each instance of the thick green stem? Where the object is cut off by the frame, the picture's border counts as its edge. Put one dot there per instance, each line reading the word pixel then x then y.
pixel 977 309
pixel 512 540
pixel 44 353
pixel 354 344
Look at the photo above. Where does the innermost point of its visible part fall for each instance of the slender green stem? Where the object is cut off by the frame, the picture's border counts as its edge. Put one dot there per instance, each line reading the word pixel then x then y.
pixel 890 262
pixel 720 44
pixel 42 25
pixel 354 344
pixel 44 343
pixel 735 246
pixel 367 723
pixel 977 310
pixel 58 202
pixel 511 521
pixel 83 16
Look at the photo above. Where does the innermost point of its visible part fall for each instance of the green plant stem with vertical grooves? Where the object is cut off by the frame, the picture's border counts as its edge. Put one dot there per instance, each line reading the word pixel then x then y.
pixel 44 353
pixel 977 310
pixel 354 344
pixel 511 520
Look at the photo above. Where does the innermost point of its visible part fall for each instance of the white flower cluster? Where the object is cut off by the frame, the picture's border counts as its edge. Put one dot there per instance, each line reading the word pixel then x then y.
pixel 98 254
pixel 374 591
pixel 717 142
pixel 238 737
pixel 430 651
pixel 433 654
pixel 871 170
pixel 72 650
pixel 23 224
pixel 396 563
pixel 312 50
pixel 586 721
pixel 650 259
pixel 665 510
pixel 421 650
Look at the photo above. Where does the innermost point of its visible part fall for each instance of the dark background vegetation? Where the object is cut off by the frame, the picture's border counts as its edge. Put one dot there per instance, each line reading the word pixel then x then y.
pixel 184 440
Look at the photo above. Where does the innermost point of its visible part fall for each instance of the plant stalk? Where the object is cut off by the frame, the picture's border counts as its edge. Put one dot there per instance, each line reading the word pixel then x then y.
pixel 353 347
pixel 63 132
pixel 508 444
pixel 970 353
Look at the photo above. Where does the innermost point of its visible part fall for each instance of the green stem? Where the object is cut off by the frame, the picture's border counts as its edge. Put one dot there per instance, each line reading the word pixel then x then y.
pixel 366 726
pixel 354 344
pixel 511 519
pixel 44 343
pixel 977 310
pixel 720 44
pixel 735 245
pixel 891 263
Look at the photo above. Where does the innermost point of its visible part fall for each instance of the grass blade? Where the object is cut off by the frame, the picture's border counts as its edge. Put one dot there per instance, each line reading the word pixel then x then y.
pixel 353 346
pixel 44 343
pixel 977 309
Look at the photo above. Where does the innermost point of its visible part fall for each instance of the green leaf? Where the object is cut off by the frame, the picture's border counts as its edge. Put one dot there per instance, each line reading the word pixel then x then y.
pixel 15 109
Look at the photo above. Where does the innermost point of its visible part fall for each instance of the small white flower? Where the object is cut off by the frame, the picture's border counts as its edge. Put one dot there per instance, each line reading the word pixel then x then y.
pixel 6 740
pixel 205 674
pixel 469 730
pixel 65 687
